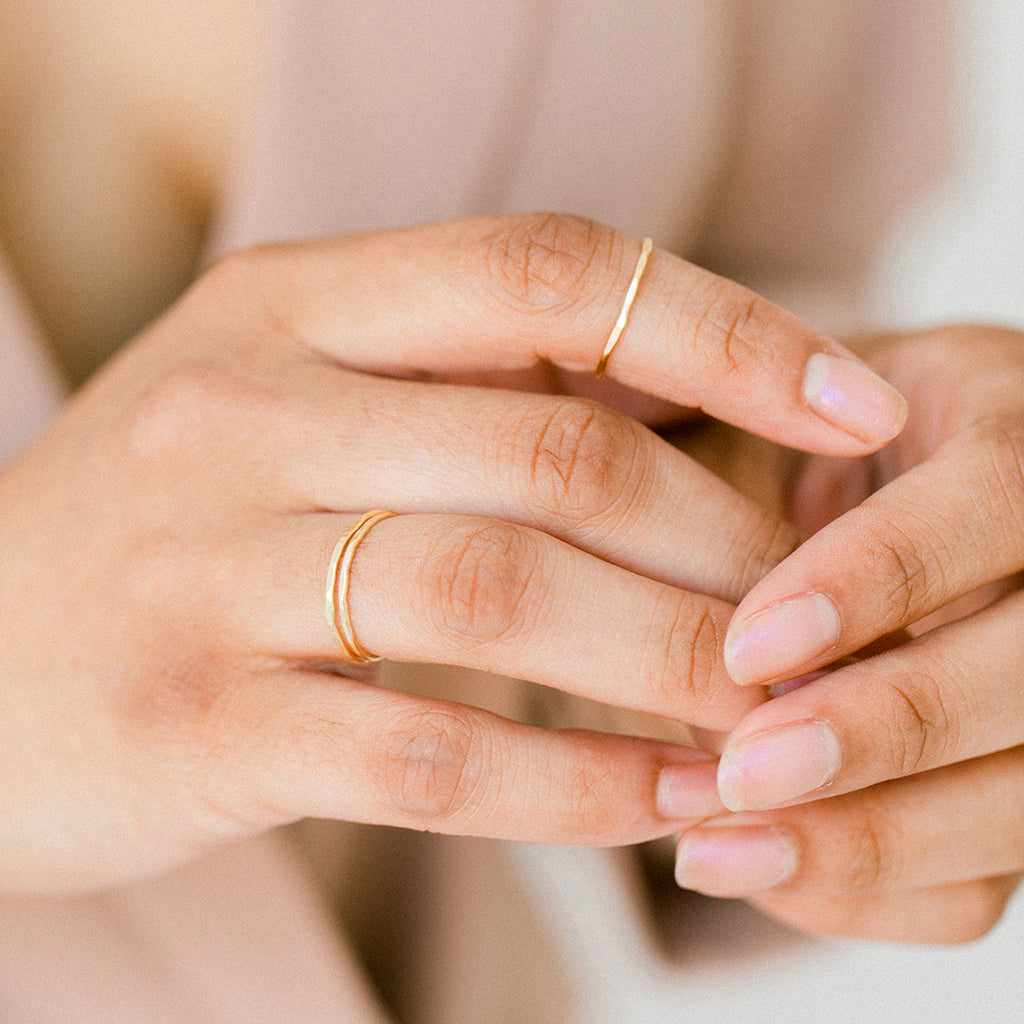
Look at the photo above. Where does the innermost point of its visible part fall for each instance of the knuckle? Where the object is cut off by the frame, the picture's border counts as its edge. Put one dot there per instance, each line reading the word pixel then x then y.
pixel 720 321
pixel 765 542
pixel 872 858
pixel 683 665
pixel 187 412
pixel 184 703
pixel 590 810
pixel 543 263
pixel 919 725
pixel 239 272
pixel 431 764
pixel 581 460
pixel 250 285
pixel 478 579
pixel 1001 442
pixel 233 271
pixel 891 558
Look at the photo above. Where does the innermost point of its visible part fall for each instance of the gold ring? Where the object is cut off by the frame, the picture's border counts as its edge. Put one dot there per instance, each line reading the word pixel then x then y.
pixel 627 305
pixel 338 616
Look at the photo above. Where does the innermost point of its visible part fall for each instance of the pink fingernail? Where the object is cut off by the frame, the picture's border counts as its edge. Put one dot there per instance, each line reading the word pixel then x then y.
pixel 689 791
pixel 853 398
pixel 774 767
pixel 781 639
pixel 736 861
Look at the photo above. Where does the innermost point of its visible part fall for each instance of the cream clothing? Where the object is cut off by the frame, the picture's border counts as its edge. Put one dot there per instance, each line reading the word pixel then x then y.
pixel 773 139
pixel 30 391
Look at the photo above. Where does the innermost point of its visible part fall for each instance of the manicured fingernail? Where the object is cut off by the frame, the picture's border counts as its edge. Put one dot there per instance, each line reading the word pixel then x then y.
pixel 772 768
pixel 781 639
pixel 689 791
pixel 736 861
pixel 853 398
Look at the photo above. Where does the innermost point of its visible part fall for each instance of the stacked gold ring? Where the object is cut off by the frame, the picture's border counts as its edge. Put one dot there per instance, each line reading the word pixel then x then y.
pixel 339 618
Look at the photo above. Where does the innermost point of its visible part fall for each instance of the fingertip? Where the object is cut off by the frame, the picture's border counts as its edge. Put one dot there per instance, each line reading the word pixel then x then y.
pixel 850 396
pixel 736 663
pixel 778 641
pixel 688 790
pixel 787 762
pixel 731 861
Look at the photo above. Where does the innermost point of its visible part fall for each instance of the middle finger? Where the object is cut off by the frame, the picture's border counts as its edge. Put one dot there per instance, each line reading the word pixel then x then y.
pixel 567 466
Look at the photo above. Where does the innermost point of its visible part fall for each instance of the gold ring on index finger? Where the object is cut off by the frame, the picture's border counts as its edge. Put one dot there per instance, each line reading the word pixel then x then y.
pixel 627 305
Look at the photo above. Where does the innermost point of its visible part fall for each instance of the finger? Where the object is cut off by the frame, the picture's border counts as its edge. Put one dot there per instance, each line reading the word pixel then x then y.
pixel 942 915
pixel 938 532
pixel 319 746
pixel 948 696
pixel 505 293
pixel 569 467
pixel 826 488
pixel 947 826
pixel 493 596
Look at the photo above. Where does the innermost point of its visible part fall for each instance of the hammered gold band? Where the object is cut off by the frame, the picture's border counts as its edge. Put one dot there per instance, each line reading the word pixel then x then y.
pixel 627 305
pixel 338 616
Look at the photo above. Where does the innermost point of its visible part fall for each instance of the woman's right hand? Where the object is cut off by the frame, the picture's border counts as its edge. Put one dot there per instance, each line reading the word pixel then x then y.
pixel 168 679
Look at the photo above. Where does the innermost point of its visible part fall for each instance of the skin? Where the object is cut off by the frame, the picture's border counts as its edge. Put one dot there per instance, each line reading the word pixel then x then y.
pixel 918 833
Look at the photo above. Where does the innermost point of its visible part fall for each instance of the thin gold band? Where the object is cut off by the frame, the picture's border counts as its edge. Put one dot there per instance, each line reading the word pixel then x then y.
pixel 338 616
pixel 627 305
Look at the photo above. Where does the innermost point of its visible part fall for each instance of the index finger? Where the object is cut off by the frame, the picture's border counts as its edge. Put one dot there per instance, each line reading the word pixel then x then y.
pixel 506 293
pixel 938 532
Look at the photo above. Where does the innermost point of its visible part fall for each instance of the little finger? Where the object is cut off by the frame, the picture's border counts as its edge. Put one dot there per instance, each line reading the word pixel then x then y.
pixel 316 745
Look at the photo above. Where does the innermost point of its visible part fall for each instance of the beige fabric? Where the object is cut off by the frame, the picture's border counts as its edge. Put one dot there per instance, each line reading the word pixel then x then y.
pixel 772 138
pixel 239 938
pixel 30 391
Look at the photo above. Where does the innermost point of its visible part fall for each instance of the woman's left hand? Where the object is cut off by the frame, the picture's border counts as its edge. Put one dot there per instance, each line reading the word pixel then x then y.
pixel 918 749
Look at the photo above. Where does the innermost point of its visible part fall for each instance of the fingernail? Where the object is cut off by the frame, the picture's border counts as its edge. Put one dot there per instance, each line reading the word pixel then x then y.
pixel 736 861
pixel 689 791
pixel 772 768
pixel 853 398
pixel 781 639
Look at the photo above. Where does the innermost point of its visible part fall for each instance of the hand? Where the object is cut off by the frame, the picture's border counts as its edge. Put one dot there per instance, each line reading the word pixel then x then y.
pixel 169 680
pixel 917 749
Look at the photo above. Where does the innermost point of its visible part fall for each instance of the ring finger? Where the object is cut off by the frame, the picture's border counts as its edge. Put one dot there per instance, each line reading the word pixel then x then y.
pixel 495 596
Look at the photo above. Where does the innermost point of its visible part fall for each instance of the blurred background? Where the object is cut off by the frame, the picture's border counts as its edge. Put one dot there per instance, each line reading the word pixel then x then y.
pixel 961 255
